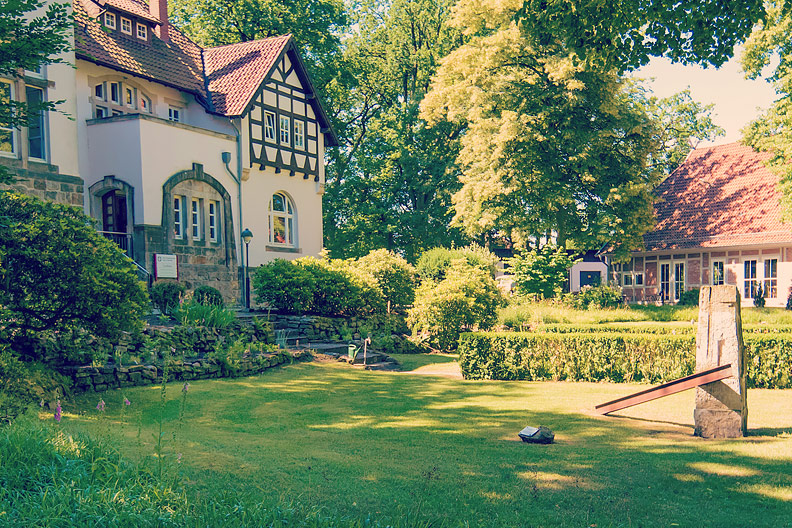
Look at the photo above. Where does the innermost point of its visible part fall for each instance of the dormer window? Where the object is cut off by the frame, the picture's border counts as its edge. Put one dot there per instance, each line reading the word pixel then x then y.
pixel 126 26
pixel 142 32
pixel 110 20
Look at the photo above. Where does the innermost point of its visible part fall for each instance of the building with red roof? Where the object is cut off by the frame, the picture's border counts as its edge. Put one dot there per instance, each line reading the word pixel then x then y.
pixel 174 148
pixel 719 221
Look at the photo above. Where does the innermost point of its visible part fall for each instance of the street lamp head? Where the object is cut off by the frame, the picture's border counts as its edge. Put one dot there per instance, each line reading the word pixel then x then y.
pixel 247 236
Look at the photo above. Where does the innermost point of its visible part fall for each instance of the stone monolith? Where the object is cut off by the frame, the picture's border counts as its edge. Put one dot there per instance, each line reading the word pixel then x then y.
pixel 721 407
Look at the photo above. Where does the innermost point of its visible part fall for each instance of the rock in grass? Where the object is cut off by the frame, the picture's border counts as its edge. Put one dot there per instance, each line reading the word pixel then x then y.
pixel 540 435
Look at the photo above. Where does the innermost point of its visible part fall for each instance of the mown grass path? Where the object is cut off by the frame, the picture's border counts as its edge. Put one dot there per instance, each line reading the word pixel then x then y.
pixel 391 445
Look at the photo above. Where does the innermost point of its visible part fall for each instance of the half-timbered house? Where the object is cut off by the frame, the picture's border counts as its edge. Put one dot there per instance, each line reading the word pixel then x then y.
pixel 181 147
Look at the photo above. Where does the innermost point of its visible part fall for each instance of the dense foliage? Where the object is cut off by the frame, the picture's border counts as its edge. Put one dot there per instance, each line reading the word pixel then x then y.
pixel 541 272
pixel 394 276
pixel 310 285
pixel 602 296
pixel 57 273
pixel 208 295
pixel 167 296
pixel 616 357
pixel 689 298
pixel 467 298
pixel 433 264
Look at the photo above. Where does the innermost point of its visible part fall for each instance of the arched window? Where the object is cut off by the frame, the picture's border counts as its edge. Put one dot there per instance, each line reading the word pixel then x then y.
pixel 112 98
pixel 281 220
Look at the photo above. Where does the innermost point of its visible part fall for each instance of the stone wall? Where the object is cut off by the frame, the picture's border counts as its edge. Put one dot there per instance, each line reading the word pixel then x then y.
pixel 43 181
pixel 316 328
pixel 97 379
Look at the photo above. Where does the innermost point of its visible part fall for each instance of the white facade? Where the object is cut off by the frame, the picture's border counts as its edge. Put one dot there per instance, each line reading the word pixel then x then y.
pixel 168 166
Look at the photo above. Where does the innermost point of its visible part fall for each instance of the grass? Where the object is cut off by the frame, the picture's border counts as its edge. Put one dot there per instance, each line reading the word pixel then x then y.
pixel 395 446
pixel 532 314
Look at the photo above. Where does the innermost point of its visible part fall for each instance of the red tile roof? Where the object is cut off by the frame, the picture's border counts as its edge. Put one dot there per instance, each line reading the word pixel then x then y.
pixel 224 78
pixel 236 71
pixel 176 63
pixel 720 196
pixel 132 7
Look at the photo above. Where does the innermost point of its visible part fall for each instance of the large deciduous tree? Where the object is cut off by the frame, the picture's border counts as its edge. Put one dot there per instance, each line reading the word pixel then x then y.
pixel 552 144
pixel 769 47
pixel 317 26
pixel 392 181
pixel 627 33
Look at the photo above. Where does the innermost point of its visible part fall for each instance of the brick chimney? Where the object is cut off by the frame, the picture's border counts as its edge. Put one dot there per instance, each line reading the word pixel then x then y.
pixel 159 9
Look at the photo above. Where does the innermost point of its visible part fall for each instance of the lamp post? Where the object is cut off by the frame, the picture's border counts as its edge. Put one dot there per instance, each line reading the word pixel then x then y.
pixel 247 236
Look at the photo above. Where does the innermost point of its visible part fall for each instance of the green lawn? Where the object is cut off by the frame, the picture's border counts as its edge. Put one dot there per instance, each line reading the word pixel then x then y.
pixel 391 445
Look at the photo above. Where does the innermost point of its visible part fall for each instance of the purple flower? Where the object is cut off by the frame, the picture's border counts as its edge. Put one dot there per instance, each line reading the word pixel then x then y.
pixel 127 402
pixel 101 406
pixel 58 413
pixel 186 387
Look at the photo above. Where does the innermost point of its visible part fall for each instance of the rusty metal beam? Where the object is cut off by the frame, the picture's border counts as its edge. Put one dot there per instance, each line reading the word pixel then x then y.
pixel 666 389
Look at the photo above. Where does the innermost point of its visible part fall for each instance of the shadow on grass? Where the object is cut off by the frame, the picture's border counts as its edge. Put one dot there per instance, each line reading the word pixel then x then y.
pixel 391 445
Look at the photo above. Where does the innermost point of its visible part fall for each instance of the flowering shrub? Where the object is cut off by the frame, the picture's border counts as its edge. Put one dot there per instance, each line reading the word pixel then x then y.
pixel 466 298
pixel 166 295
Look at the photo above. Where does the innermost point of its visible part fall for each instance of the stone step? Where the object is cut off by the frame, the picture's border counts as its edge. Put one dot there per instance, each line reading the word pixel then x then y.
pixel 369 358
pixel 386 365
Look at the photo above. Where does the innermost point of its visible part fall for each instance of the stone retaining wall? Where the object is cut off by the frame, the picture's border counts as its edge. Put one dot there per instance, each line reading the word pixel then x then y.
pixel 314 327
pixel 97 379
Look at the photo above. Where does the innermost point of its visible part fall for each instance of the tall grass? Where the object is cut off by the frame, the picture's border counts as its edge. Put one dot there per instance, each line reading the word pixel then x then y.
pixel 525 315
pixel 51 478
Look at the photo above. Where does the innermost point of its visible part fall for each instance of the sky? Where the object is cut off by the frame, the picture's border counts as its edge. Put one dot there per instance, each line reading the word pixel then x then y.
pixel 735 98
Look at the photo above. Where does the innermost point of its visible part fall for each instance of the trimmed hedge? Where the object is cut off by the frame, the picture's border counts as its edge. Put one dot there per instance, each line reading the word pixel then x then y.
pixel 614 357
pixel 650 328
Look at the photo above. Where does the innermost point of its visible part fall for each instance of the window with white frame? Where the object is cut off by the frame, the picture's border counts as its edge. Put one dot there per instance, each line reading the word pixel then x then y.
pixel 36 132
pixel 142 32
pixel 771 278
pixel 126 26
pixel 284 130
pixel 665 281
pixel 111 98
pixel 269 126
pixel 174 114
pixel 178 217
pixel 110 20
pixel 749 279
pixel 7 140
pixel 281 220
pixel 214 221
pixel 639 278
pixel 195 218
pixel 299 134
pixel 718 273
pixel 627 278
pixel 115 93
pixel 679 279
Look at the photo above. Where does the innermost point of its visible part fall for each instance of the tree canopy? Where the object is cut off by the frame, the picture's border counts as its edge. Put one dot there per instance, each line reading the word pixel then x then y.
pixel 769 47
pixel 626 34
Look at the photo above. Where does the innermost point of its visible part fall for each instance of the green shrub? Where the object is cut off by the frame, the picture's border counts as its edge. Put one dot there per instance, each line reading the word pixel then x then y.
pixel 542 272
pixel 433 263
pixel 193 313
pixel 593 297
pixel 284 286
pixel 167 296
pixel 208 295
pixel 310 285
pixel 394 276
pixel 24 384
pixel 611 357
pixel 58 273
pixel 689 298
pixel 466 298
pixel 758 298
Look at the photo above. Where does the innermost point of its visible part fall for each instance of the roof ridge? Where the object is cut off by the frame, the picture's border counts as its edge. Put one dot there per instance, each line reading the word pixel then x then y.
pixel 284 36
